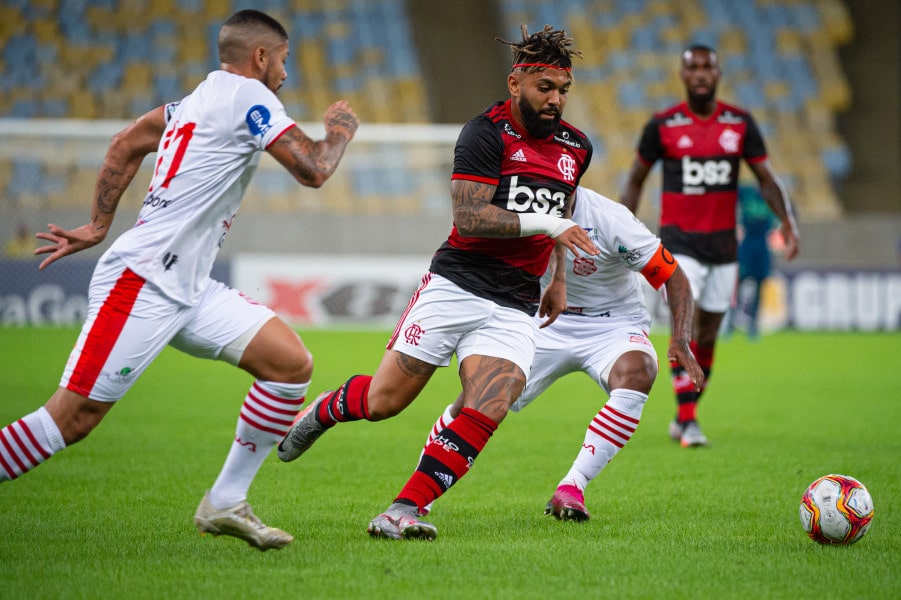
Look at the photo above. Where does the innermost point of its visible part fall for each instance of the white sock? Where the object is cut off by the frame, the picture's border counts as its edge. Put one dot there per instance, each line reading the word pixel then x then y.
pixel 607 433
pixel 27 443
pixel 267 413
pixel 443 421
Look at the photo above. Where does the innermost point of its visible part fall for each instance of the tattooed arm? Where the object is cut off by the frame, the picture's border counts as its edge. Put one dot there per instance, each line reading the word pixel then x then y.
pixel 475 216
pixel 123 158
pixel 310 161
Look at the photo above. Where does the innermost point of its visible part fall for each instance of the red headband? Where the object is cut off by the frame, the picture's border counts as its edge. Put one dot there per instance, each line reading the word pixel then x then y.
pixel 546 66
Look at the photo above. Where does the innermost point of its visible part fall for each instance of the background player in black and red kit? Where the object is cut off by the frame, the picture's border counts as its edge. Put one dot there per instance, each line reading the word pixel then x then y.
pixel 701 142
pixel 516 167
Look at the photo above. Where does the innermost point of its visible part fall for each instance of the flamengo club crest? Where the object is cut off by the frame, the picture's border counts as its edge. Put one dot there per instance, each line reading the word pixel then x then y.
pixel 584 266
pixel 567 166
pixel 729 140
pixel 413 334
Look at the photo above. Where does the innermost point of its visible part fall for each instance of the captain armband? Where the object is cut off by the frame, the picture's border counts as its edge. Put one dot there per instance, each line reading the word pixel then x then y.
pixel 535 224
pixel 660 267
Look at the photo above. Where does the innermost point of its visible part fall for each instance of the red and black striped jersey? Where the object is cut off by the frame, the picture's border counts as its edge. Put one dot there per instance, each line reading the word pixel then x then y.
pixel 701 159
pixel 531 176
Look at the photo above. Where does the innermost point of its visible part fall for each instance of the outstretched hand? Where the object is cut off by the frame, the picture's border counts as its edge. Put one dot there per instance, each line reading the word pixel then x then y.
pixel 64 242
pixel 575 238
pixel 681 353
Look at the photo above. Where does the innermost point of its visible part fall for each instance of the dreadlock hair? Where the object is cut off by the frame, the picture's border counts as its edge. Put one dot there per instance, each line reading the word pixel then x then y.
pixel 548 48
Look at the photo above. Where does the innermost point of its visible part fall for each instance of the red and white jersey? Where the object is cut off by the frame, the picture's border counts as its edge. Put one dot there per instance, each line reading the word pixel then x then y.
pixel 701 159
pixel 608 284
pixel 208 153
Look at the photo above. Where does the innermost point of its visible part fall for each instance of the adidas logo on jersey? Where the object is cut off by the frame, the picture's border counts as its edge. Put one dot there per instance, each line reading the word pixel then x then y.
pixel 519 155
pixel 684 142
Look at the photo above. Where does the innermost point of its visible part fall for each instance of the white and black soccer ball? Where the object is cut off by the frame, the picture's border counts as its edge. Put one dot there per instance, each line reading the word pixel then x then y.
pixel 836 509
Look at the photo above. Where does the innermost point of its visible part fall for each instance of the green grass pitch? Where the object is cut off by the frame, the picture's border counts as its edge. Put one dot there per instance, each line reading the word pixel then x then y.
pixel 111 517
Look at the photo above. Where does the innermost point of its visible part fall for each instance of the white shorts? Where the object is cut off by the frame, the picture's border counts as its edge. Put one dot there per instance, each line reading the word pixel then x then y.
pixel 712 286
pixel 443 319
pixel 130 321
pixel 580 343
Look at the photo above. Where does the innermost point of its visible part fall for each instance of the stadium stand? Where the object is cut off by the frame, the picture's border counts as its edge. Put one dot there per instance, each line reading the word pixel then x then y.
pixel 780 60
pixel 109 59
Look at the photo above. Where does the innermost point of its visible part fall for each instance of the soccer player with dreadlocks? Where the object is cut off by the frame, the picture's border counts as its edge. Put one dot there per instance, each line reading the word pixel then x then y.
pixel 516 167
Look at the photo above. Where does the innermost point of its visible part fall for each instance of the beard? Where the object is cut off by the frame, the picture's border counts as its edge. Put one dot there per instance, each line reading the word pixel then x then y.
pixel 534 124
pixel 696 98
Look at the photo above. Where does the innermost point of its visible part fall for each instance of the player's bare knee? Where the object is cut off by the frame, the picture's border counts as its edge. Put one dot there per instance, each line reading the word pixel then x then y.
pixel 634 371
pixel 295 366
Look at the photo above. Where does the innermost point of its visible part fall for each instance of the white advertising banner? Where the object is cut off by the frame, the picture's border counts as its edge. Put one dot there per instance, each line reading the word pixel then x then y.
pixel 373 291
pixel 331 291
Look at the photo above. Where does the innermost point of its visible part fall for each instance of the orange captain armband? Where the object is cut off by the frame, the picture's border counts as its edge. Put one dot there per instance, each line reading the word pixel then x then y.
pixel 660 267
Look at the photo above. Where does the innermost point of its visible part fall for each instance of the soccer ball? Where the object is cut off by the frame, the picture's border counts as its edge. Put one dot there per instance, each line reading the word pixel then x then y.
pixel 836 509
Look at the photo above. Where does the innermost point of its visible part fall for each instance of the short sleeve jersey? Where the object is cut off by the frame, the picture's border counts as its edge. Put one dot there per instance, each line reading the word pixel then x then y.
pixel 701 160
pixel 608 285
pixel 531 176
pixel 208 153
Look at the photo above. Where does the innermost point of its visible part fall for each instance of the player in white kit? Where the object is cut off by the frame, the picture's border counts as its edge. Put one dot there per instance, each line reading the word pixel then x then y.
pixel 604 333
pixel 152 287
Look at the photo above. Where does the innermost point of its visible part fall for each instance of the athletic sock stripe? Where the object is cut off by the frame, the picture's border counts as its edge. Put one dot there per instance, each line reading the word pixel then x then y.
pixel 619 414
pixel 605 420
pixel 615 441
pixel 436 429
pixel 608 432
pixel 24 450
pixel 442 474
pixel 355 396
pixel 450 442
pixel 34 442
pixel 281 406
pixel 268 418
pixel 11 451
pixel 105 332
pixel 18 451
pixel 262 427
pixel 278 399
pixel 9 470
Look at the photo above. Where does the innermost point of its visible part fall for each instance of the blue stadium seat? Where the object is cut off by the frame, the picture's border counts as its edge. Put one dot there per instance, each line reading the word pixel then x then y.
pixel 26 178
pixel 750 95
pixel 631 95
pixel 837 160
pixel 54 108
pixel 190 6
pixel 23 109
pixel 167 88
pixel 73 25
pixel 107 76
